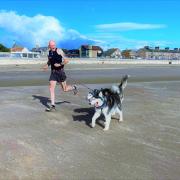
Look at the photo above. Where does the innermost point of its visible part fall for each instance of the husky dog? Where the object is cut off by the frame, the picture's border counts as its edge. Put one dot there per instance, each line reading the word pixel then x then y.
pixel 108 102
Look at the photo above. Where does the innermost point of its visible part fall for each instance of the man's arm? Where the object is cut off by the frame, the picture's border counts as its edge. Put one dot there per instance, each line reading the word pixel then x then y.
pixel 65 60
pixel 45 67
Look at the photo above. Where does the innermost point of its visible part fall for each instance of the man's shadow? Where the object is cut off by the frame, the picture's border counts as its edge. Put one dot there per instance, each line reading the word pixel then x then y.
pixel 45 100
pixel 86 114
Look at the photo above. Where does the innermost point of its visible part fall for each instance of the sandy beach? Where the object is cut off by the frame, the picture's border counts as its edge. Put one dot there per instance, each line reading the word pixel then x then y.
pixel 35 144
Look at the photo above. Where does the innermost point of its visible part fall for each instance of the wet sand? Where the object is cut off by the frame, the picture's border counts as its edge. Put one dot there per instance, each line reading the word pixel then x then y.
pixel 32 75
pixel 35 144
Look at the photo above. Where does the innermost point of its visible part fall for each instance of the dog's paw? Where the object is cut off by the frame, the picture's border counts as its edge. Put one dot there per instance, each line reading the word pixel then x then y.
pixel 105 129
pixel 120 120
pixel 92 125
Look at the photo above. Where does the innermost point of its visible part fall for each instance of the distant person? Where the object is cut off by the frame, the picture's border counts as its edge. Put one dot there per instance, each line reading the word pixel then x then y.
pixel 57 60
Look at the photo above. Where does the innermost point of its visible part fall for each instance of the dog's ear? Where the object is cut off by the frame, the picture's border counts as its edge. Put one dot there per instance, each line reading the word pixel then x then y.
pixel 106 93
pixel 89 96
pixel 100 94
pixel 96 91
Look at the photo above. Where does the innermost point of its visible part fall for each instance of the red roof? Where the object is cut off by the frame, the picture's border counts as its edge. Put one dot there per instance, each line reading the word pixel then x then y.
pixel 17 49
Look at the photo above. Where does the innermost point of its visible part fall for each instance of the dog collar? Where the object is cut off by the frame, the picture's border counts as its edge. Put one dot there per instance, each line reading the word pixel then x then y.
pixel 103 105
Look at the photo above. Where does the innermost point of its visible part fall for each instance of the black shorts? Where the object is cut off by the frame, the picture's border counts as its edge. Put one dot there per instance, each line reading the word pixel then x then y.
pixel 58 76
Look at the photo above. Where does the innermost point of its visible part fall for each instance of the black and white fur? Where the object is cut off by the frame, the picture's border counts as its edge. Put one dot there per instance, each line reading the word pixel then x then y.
pixel 108 102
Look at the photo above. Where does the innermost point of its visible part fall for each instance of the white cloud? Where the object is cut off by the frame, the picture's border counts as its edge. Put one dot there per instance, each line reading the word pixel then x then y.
pixel 127 26
pixel 32 30
pixel 38 29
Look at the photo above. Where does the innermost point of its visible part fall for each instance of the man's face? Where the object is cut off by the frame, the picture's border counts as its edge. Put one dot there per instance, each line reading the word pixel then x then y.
pixel 52 45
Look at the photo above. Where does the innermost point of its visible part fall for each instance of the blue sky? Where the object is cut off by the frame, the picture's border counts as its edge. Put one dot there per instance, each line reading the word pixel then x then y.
pixel 108 23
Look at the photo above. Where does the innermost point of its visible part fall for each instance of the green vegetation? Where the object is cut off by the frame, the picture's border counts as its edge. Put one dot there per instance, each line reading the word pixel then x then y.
pixel 3 48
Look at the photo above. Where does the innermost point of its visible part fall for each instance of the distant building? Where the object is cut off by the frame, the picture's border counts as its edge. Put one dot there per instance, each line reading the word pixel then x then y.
pixel 90 51
pixel 17 48
pixel 126 54
pixel 73 53
pixel 159 54
pixel 133 54
pixel 22 52
pixel 65 51
pixel 113 53
pixel 44 51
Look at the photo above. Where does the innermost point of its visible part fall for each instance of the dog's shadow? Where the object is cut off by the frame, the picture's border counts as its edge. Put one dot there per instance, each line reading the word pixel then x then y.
pixel 45 100
pixel 86 114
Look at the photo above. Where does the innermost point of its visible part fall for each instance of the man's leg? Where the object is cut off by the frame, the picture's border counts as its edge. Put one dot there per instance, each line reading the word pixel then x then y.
pixel 52 86
pixel 67 88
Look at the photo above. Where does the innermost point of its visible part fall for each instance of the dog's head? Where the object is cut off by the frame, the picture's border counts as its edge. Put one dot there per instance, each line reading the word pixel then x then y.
pixel 95 98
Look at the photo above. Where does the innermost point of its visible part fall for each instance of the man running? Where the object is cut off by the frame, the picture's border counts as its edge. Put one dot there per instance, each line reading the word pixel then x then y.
pixel 57 60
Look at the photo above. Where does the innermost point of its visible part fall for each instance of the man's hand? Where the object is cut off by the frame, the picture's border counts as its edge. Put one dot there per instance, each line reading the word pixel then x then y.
pixel 65 61
pixel 57 65
pixel 45 68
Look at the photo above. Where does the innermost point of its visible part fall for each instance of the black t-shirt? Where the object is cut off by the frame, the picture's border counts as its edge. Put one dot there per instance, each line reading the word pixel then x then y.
pixel 54 58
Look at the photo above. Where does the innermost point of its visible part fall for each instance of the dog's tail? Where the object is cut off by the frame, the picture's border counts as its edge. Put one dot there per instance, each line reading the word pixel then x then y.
pixel 124 81
pixel 118 88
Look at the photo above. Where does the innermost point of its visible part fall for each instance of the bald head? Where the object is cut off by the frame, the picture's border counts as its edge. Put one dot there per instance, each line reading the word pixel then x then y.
pixel 52 45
